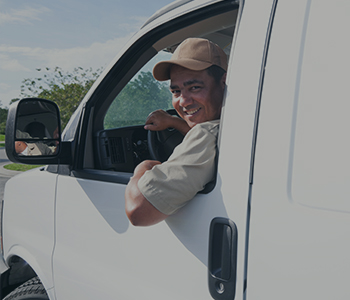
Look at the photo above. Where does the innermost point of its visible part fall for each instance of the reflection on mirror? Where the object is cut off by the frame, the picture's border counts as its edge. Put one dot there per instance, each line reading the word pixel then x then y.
pixel 37 128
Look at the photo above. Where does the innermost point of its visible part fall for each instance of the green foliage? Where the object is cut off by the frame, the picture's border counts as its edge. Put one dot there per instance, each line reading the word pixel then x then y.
pixel 20 167
pixel 139 97
pixel 3 118
pixel 14 100
pixel 67 89
pixel 2 140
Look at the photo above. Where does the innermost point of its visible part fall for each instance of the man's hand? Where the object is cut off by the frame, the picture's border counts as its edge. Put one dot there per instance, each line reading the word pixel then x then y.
pixel 161 120
pixel 139 211
pixel 143 167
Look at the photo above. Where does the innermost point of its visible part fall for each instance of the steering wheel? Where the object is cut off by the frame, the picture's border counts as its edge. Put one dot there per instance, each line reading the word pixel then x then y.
pixel 162 143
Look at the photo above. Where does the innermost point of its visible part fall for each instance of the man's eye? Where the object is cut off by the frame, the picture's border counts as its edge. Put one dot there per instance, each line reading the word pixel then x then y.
pixel 175 92
pixel 196 87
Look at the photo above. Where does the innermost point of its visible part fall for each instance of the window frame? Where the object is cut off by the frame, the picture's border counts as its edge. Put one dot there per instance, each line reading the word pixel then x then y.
pixel 124 69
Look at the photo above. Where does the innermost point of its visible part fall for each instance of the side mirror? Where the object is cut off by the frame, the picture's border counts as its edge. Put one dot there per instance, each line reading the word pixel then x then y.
pixel 33 133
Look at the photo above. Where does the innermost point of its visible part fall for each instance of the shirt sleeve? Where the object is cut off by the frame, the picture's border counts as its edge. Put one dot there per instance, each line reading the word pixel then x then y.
pixel 170 185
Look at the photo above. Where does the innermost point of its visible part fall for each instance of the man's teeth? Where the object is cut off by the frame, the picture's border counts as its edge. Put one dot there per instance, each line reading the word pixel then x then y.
pixel 192 112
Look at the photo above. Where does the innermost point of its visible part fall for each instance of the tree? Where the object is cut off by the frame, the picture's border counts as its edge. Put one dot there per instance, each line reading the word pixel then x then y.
pixel 67 89
pixel 14 100
pixel 139 97
pixel 3 118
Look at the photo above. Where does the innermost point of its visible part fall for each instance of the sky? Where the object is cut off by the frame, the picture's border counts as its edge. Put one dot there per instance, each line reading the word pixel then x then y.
pixel 36 34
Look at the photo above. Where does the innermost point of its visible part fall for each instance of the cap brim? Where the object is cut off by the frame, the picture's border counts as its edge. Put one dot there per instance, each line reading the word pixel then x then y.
pixel 161 70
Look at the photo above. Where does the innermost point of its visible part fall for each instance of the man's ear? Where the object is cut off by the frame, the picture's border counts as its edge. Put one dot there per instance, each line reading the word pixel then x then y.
pixel 223 81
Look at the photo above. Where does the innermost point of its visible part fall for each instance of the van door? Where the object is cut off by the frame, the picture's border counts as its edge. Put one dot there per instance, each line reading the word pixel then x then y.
pixel 299 221
pixel 98 253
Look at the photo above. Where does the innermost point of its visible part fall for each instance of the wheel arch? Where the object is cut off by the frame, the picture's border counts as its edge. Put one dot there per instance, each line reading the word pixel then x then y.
pixel 23 267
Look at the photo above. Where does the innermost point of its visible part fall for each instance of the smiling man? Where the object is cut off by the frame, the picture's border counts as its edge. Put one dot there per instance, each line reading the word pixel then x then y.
pixel 197 73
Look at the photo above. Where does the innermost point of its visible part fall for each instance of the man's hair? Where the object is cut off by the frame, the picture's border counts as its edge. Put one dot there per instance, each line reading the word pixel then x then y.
pixel 216 72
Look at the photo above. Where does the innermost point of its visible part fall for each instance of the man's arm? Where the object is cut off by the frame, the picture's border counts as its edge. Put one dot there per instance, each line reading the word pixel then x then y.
pixel 138 209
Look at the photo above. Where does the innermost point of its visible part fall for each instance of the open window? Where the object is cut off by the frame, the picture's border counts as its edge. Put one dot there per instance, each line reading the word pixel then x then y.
pixel 115 140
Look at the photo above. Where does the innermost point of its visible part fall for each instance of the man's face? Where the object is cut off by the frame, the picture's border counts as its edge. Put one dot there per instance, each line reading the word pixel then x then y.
pixel 20 146
pixel 196 96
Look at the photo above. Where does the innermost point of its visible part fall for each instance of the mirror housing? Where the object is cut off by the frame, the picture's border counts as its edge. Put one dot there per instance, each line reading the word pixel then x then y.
pixel 33 133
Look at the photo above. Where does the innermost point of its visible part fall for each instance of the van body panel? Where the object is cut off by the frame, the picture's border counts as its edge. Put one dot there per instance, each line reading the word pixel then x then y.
pixel 127 255
pixel 298 242
pixel 28 221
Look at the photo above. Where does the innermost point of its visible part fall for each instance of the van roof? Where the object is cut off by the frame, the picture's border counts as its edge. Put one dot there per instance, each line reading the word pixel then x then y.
pixel 167 9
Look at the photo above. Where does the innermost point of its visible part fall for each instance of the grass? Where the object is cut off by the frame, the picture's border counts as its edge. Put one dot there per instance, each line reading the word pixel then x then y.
pixel 2 140
pixel 16 167
pixel 20 167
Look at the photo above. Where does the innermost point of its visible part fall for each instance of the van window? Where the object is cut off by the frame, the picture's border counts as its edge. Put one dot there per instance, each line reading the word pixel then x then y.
pixel 116 139
pixel 142 95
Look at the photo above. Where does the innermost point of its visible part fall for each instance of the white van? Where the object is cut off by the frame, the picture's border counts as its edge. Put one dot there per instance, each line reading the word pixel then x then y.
pixel 276 223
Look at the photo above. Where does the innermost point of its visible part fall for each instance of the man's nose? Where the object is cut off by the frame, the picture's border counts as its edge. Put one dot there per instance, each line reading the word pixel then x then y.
pixel 185 99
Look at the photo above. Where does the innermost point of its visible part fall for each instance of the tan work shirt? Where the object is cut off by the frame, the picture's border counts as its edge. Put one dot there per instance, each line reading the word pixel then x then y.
pixel 170 185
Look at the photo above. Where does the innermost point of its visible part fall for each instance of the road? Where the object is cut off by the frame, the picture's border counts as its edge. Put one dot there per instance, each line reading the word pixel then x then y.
pixel 4 174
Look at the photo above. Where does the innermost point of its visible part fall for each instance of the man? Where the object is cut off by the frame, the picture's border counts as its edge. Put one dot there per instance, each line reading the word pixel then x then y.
pixel 197 73
pixel 31 149
pixel 26 149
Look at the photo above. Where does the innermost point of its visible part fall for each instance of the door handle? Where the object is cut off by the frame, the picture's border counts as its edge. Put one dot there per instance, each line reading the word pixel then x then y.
pixel 222 259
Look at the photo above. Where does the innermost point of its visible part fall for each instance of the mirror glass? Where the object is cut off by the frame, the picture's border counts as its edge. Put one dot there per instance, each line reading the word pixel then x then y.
pixel 37 128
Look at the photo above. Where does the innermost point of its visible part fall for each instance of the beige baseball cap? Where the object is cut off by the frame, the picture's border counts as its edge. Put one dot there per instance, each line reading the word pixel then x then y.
pixel 196 54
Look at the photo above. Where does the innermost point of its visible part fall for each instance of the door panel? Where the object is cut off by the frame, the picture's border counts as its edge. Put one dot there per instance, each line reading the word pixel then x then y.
pixel 100 255
pixel 29 227
pixel 298 245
